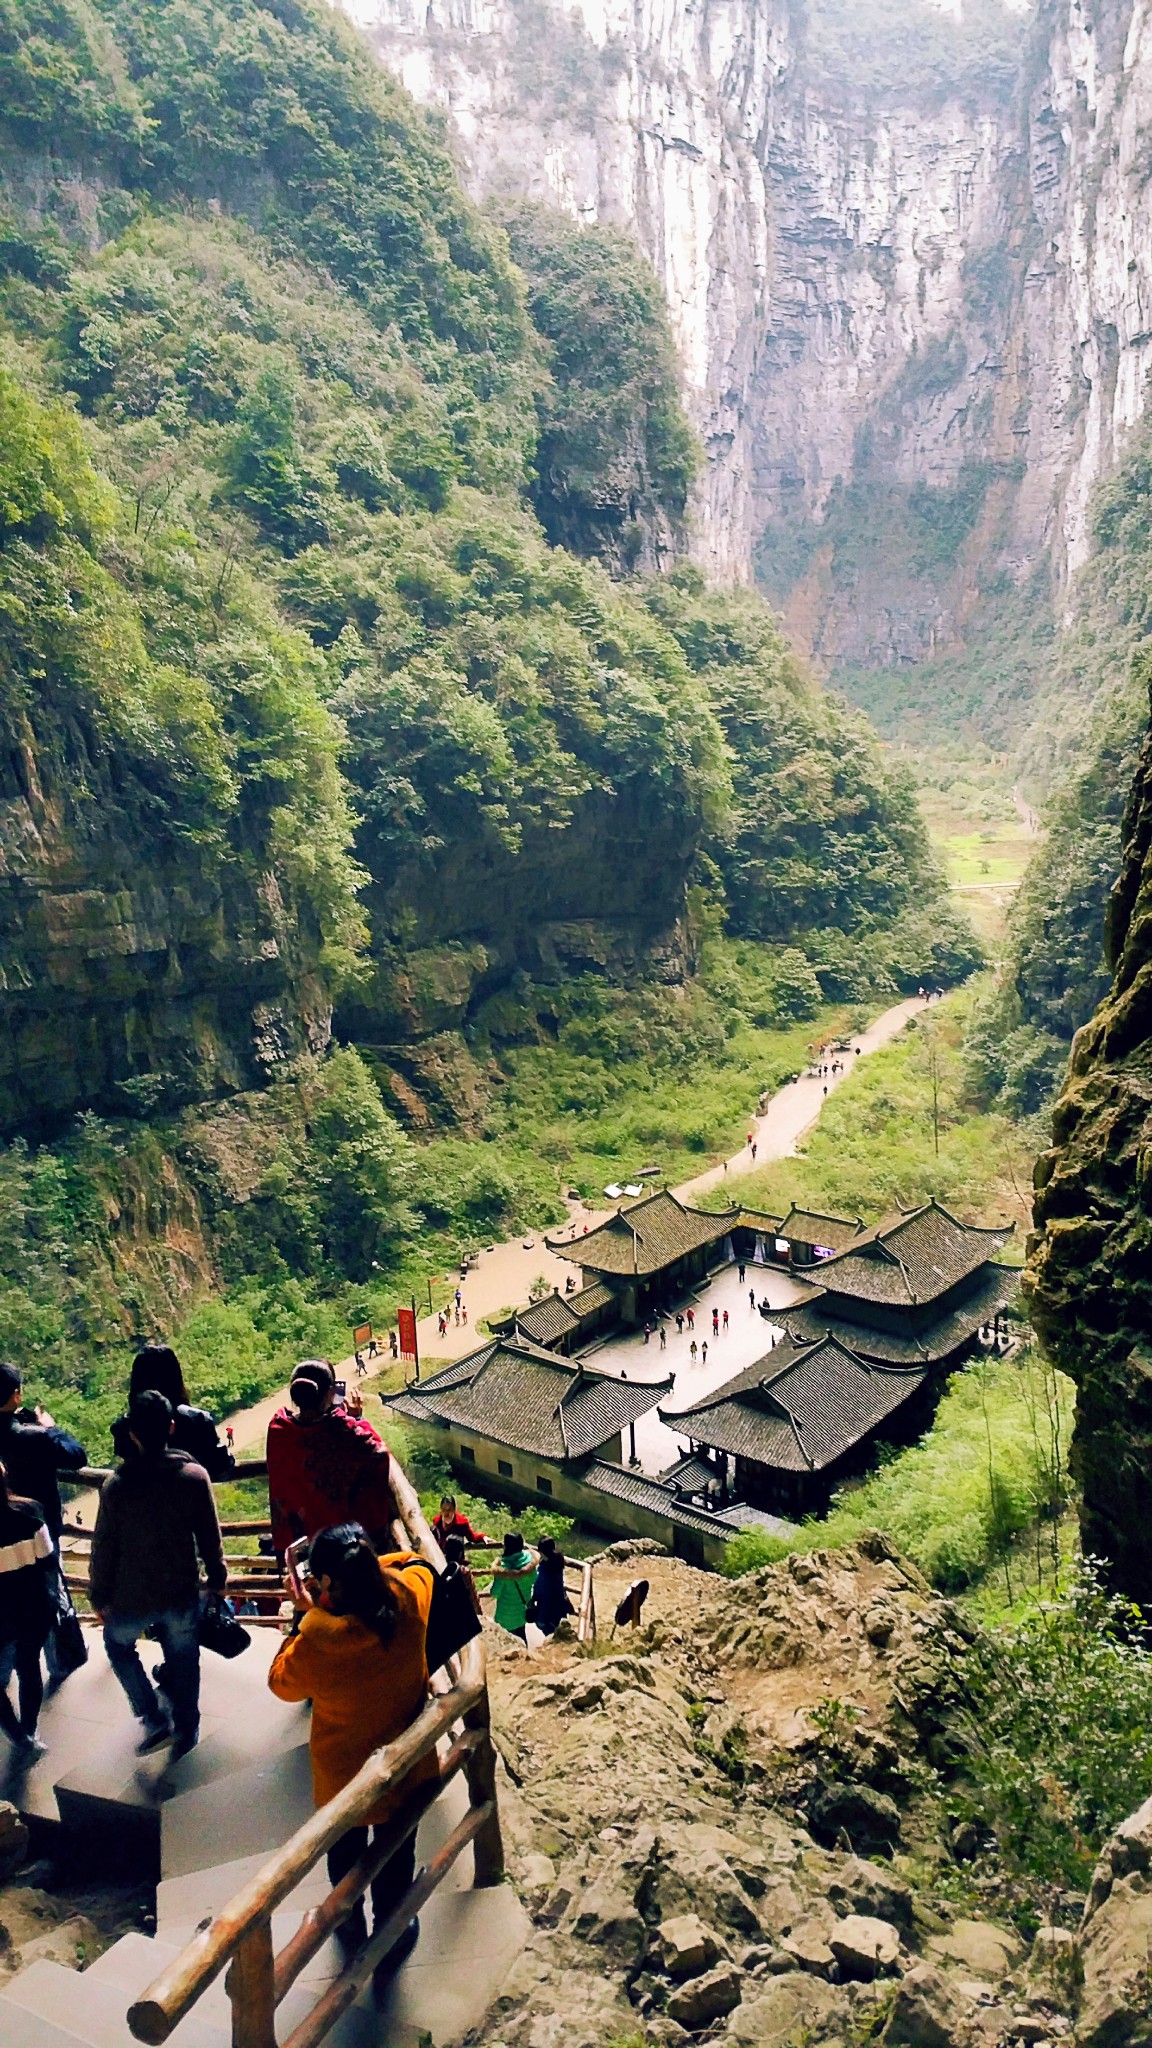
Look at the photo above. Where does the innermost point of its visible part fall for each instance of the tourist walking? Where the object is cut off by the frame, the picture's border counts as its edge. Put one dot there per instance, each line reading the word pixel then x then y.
pixel 157 1370
pixel 724 1319
pixel 743 1270
pixel 157 1517
pixel 679 1323
pixel 28 1573
pixel 326 1465
pixel 663 1338
pixel 704 1352
pixel 550 1602
pixel 691 1319
pixel 715 1322
pixel 692 1350
pixel 512 1582
pixel 753 1149
pixel 34 1451
pixel 450 1522
pixel 752 1298
pixel 357 1651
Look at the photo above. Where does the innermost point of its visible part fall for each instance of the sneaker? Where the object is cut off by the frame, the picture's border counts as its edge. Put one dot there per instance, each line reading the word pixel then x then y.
pixel 399 1953
pixel 32 1747
pixel 154 1738
pixel 184 1744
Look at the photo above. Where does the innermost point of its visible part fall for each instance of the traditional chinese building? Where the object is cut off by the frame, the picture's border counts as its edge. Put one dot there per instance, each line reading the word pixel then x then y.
pixel 541 1429
pixel 650 1252
pixel 861 1358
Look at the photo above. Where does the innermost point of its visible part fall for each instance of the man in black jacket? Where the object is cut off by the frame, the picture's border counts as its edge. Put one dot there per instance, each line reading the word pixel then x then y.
pixel 34 1452
pixel 157 1516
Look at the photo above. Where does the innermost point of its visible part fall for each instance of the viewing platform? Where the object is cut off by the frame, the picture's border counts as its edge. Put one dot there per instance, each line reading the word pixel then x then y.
pixel 226 1817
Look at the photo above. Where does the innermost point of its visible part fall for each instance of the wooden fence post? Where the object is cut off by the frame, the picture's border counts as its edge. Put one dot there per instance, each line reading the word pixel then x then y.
pixel 251 1987
pixel 480 1771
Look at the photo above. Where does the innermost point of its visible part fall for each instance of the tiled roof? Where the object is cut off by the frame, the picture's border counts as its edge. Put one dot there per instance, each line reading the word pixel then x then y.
pixel 518 1394
pixel 808 1226
pixel 589 1299
pixel 912 1259
pixel 691 1475
pixel 993 1289
pixel 758 1219
pixel 644 1237
pixel 641 1492
pixel 801 1408
pixel 547 1321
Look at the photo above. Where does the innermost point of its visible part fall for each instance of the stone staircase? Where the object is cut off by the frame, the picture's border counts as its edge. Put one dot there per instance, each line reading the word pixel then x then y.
pixel 204 1826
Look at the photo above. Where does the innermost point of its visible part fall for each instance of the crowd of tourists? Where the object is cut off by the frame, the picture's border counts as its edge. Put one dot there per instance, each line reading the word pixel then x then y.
pixel 356 1647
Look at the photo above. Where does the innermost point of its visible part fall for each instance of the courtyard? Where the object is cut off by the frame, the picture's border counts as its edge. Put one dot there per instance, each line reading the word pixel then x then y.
pixel 749 1336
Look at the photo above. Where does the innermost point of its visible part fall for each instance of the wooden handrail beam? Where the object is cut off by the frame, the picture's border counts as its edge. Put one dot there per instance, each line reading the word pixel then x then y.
pixel 321 1921
pixel 177 1987
pixel 345 1989
pixel 240 1932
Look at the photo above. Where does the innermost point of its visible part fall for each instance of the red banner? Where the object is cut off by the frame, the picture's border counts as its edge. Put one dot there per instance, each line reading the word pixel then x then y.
pixel 406 1324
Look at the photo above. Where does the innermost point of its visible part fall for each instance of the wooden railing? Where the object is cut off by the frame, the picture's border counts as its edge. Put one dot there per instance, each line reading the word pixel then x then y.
pixel 586 1618
pixel 239 1939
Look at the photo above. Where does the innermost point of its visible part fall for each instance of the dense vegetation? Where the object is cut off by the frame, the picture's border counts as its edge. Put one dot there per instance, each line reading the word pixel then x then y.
pixel 279 415
pixel 615 458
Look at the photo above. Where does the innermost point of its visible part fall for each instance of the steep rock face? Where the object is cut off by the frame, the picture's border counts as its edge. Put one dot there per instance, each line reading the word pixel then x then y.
pixel 913 314
pixel 132 977
pixel 1090 1262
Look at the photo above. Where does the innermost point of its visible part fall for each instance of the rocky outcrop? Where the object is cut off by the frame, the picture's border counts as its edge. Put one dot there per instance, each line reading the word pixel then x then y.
pixel 656 1827
pixel 1089 1275
pixel 911 305
pixel 135 976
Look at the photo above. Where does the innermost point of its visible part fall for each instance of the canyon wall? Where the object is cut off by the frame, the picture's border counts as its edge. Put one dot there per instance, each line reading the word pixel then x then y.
pixel 910 278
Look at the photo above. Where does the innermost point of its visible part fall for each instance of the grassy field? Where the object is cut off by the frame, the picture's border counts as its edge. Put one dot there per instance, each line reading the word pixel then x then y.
pixel 984 843
pixel 901 1128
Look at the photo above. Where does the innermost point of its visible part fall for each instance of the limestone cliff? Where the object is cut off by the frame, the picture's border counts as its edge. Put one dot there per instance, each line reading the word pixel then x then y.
pixel 1090 1263
pixel 134 977
pixel 910 290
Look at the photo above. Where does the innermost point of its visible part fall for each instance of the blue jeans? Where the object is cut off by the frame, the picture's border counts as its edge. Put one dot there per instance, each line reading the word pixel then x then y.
pixel 176 1629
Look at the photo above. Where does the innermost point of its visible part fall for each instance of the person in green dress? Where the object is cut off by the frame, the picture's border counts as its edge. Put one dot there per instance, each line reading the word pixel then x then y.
pixel 512 1582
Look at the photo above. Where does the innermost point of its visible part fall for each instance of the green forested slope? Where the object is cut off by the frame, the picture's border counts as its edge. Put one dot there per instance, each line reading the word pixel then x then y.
pixel 301 710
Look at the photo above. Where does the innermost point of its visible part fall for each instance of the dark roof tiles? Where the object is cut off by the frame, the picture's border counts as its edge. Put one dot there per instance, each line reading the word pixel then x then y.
pixel 801 1408
pixel 993 1289
pixel 913 1259
pixel 515 1393
pixel 809 1226
pixel 644 1237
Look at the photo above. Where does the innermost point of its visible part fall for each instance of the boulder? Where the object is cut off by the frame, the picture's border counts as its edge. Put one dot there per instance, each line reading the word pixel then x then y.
pixel 870 1819
pixel 985 1950
pixel 703 2000
pixel 861 1887
pixel 865 1948
pixel 685 1947
pixel 807 1948
pixel 925 2012
pixel 788 2009
pixel 607 1917
pixel 1115 1949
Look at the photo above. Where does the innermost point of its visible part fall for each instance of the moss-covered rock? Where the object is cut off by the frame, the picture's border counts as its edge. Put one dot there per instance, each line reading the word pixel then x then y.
pixel 1089 1273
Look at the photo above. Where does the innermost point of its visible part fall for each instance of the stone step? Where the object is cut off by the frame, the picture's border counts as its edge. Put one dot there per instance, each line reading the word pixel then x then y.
pixel 94 2011
pixel 248 1811
pixel 22 2029
pixel 182 1903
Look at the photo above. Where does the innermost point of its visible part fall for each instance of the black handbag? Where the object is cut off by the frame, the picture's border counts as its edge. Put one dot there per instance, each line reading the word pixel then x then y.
pixel 218 1628
pixel 452 1618
pixel 69 1650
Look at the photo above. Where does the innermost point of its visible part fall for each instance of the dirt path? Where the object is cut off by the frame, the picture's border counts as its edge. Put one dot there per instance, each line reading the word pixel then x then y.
pixel 503 1273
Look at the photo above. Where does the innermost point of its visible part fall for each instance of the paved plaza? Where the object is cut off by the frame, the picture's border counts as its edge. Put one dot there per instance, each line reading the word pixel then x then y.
pixel 749 1337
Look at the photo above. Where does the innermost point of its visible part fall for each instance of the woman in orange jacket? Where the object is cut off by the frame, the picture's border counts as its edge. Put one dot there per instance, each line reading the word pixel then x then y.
pixel 358 1653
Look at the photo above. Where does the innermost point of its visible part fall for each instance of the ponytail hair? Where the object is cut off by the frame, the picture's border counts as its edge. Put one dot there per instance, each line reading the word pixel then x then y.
pixel 345 1556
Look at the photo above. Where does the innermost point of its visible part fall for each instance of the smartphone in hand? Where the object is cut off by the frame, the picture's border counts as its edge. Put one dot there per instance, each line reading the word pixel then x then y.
pixel 295 1564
